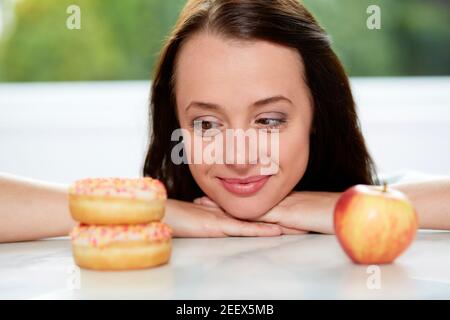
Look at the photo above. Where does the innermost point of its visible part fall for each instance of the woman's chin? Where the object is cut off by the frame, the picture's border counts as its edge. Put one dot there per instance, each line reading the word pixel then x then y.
pixel 246 211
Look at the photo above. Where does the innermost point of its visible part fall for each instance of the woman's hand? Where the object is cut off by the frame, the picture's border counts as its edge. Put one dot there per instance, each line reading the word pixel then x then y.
pixel 305 210
pixel 313 211
pixel 298 212
pixel 208 203
pixel 198 220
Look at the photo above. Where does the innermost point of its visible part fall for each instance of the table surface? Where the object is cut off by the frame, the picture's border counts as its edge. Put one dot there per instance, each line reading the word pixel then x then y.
pixel 308 266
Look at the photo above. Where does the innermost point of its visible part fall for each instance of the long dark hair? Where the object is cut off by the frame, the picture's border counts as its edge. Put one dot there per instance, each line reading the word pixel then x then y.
pixel 338 154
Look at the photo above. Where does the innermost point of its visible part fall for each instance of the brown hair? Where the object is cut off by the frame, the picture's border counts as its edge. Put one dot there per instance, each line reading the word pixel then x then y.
pixel 338 154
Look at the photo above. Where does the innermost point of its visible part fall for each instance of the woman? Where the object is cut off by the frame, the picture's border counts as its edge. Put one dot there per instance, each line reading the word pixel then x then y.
pixel 265 66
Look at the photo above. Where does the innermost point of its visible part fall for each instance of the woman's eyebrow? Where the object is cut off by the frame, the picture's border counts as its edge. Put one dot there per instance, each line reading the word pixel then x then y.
pixel 259 103
pixel 270 100
pixel 203 105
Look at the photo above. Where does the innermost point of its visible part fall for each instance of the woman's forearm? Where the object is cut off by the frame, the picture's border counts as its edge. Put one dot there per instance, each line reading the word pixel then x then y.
pixel 32 209
pixel 313 211
pixel 431 200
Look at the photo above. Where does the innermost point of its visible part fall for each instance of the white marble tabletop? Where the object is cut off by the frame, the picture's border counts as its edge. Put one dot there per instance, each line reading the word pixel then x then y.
pixel 289 267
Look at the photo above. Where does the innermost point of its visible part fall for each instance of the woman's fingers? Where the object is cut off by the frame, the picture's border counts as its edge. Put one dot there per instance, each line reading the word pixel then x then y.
pixel 292 231
pixel 226 225
pixel 205 201
pixel 238 228
pixel 272 216
pixel 193 220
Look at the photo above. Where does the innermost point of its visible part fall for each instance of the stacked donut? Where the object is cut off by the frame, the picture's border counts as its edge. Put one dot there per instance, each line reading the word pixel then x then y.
pixel 119 223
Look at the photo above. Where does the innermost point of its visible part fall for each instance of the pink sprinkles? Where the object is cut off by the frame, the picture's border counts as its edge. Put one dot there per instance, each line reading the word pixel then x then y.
pixel 99 236
pixel 146 188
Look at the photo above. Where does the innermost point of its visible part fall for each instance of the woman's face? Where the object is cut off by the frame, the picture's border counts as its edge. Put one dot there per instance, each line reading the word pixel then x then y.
pixel 253 86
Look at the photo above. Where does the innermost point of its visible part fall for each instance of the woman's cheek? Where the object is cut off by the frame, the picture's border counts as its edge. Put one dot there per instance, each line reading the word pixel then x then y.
pixel 294 154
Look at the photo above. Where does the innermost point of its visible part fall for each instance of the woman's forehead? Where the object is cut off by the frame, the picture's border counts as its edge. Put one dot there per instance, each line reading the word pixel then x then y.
pixel 211 67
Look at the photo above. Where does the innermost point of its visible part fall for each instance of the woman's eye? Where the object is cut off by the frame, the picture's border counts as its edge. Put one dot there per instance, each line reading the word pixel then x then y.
pixel 203 126
pixel 206 125
pixel 270 122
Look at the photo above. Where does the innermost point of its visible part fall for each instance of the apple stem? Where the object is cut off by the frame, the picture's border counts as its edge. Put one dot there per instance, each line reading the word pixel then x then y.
pixel 384 186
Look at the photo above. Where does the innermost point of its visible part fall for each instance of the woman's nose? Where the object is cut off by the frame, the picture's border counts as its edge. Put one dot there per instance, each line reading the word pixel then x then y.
pixel 241 148
pixel 245 149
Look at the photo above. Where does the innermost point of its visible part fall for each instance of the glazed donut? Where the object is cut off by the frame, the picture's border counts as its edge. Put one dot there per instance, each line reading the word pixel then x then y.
pixel 117 200
pixel 121 247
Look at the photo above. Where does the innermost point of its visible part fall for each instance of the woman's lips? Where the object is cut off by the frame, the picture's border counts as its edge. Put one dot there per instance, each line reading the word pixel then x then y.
pixel 245 186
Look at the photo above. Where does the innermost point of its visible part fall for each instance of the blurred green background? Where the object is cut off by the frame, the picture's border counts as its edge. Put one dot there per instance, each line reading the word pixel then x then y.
pixel 120 40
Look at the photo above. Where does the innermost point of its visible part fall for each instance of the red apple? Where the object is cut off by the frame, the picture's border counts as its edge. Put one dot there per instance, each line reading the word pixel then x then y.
pixel 374 224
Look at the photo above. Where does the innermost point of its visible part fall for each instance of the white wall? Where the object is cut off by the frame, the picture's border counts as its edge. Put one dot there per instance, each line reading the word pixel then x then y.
pixel 65 131
pixel 406 122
